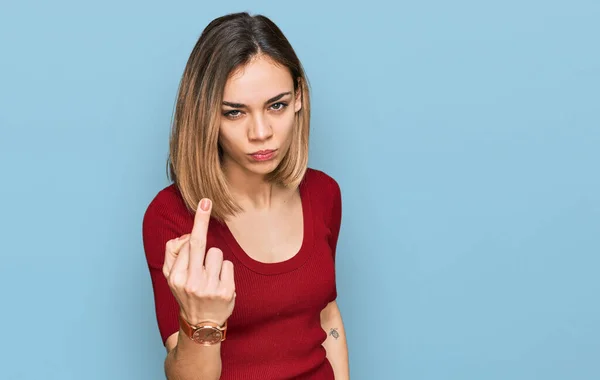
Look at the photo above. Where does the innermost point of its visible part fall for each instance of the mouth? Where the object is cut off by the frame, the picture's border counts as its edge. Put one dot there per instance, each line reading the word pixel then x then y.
pixel 263 155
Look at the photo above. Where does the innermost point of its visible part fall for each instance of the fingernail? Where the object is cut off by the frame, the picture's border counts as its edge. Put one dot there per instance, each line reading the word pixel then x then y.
pixel 205 204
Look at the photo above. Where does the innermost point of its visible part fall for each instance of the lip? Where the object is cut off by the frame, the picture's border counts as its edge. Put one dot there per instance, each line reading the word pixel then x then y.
pixel 263 155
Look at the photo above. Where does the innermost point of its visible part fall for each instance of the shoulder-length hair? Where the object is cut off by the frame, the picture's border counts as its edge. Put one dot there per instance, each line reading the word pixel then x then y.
pixel 194 162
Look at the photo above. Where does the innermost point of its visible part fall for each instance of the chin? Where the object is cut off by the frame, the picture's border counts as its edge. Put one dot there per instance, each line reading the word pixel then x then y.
pixel 263 168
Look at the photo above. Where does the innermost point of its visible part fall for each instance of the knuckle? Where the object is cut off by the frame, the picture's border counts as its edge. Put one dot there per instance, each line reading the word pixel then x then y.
pixel 206 294
pixel 175 280
pixel 226 295
pixel 191 288
pixel 213 297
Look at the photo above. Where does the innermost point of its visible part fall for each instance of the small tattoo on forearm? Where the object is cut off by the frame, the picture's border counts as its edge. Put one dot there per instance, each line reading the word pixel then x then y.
pixel 334 333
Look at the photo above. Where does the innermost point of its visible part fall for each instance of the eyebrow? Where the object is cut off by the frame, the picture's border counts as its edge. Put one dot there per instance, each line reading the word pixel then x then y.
pixel 273 99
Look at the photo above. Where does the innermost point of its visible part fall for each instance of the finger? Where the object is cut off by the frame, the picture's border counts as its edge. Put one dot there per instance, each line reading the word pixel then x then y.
pixel 213 263
pixel 178 275
pixel 198 238
pixel 172 249
pixel 227 280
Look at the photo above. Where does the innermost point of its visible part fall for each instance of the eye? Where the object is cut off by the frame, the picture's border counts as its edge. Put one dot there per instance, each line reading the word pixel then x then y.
pixel 278 106
pixel 233 114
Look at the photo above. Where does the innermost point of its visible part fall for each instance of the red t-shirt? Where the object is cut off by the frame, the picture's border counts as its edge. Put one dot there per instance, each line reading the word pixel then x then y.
pixel 275 330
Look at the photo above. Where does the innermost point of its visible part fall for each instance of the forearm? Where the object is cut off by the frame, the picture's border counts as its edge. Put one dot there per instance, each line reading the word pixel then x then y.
pixel 192 361
pixel 336 346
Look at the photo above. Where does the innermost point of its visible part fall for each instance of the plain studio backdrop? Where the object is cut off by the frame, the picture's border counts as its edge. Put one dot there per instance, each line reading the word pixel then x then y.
pixel 465 136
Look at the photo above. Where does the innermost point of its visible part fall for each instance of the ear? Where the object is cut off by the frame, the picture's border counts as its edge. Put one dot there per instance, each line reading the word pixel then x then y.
pixel 298 96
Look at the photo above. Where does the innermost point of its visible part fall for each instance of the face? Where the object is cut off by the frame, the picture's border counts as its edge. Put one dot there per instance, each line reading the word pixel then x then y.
pixel 257 116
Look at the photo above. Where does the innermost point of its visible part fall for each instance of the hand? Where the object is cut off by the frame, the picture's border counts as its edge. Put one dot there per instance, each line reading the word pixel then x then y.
pixel 202 284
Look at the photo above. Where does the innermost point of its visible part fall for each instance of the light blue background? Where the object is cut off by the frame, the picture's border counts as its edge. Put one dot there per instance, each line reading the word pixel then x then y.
pixel 465 136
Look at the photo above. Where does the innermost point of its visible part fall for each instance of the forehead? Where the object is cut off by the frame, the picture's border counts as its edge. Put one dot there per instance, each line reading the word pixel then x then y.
pixel 257 81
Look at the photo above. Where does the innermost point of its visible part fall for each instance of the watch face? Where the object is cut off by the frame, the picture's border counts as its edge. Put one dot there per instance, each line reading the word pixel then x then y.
pixel 207 335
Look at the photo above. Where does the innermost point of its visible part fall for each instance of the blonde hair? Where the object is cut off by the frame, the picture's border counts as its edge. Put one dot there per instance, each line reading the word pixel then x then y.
pixel 194 163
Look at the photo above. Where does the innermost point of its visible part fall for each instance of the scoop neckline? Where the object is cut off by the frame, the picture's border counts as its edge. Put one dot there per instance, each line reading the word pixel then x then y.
pixel 278 267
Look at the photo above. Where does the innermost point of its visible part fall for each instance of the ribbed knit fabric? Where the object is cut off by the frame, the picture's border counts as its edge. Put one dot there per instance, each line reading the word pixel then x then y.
pixel 274 331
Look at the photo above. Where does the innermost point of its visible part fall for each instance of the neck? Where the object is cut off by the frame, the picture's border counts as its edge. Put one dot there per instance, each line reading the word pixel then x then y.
pixel 249 190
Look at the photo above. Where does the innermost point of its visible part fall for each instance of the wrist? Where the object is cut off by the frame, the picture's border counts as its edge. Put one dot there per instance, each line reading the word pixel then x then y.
pixel 206 333
pixel 195 321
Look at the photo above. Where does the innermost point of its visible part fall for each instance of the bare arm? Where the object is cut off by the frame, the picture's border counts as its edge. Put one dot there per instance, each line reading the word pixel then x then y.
pixel 335 344
pixel 204 287
pixel 187 360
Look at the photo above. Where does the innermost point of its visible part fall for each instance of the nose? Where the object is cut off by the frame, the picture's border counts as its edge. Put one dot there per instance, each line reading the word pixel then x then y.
pixel 260 129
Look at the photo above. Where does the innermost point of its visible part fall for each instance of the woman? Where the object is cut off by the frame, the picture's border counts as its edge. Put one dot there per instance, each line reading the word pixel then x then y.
pixel 243 201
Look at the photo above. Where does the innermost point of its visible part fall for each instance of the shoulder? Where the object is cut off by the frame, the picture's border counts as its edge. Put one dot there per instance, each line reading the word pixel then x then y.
pixel 318 180
pixel 167 200
pixel 166 209
pixel 323 190
pixel 165 218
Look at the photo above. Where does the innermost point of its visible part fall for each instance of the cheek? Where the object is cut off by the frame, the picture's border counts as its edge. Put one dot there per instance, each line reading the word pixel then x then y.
pixel 285 125
pixel 229 141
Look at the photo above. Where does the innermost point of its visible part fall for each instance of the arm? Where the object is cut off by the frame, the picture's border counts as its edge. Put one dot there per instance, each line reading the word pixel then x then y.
pixel 187 281
pixel 189 360
pixel 331 318
pixel 335 344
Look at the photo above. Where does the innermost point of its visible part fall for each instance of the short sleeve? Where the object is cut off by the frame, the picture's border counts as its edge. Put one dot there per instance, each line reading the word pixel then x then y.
pixel 335 222
pixel 158 228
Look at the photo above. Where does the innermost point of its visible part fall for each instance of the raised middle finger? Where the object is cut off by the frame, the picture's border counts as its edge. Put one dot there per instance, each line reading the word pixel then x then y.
pixel 197 240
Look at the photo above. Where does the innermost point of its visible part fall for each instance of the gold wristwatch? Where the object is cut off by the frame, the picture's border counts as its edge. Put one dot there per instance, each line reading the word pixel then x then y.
pixel 204 333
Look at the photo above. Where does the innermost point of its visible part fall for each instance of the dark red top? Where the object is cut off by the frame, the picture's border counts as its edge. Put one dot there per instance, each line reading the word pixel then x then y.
pixel 275 330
